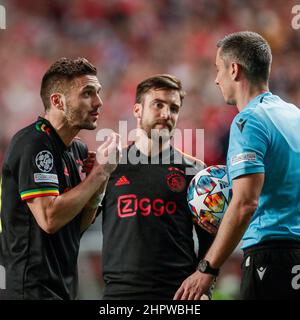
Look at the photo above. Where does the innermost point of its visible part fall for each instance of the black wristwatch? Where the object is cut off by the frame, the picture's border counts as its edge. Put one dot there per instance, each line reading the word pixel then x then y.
pixel 204 267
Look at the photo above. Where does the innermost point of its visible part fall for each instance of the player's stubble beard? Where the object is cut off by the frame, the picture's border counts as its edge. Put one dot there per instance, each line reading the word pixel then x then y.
pixel 159 137
pixel 75 118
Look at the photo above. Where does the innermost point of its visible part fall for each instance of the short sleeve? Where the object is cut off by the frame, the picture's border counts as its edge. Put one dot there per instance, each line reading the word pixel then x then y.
pixel 248 144
pixel 37 172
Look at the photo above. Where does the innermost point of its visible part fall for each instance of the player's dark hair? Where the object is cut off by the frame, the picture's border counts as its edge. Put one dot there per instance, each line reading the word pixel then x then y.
pixel 60 74
pixel 159 82
pixel 251 51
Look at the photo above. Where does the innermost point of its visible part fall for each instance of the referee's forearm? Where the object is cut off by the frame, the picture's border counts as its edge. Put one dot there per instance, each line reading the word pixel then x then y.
pixel 231 230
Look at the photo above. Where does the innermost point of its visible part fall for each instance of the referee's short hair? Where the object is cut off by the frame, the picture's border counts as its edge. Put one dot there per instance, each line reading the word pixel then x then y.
pixel 60 73
pixel 159 82
pixel 251 51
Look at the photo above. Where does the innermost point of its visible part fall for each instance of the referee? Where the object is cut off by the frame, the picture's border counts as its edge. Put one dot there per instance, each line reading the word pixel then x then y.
pixel 263 164
pixel 45 204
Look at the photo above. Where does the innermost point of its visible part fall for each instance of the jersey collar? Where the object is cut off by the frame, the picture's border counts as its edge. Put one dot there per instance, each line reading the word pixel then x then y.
pixel 257 99
pixel 43 125
pixel 163 157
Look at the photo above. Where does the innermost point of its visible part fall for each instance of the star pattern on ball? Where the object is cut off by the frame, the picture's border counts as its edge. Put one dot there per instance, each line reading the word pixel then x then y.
pixel 222 185
pixel 209 193
pixel 198 201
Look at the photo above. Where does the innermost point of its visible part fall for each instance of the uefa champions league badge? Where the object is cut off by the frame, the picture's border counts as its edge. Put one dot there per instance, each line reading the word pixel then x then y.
pixel 44 161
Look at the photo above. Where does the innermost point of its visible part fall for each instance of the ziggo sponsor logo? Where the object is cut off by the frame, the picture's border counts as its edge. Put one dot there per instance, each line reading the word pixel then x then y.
pixel 129 205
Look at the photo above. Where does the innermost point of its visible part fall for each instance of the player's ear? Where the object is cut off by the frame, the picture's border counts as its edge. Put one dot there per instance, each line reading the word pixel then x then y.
pixel 57 100
pixel 235 71
pixel 137 110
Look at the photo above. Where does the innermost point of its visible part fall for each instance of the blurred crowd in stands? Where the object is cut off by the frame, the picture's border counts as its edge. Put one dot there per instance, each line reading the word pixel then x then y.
pixel 129 40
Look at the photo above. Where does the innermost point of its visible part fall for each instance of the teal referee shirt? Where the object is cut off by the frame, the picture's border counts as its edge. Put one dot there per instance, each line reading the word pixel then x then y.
pixel 265 138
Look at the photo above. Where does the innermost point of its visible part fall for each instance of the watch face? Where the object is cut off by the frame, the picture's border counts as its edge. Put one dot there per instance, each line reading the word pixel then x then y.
pixel 203 265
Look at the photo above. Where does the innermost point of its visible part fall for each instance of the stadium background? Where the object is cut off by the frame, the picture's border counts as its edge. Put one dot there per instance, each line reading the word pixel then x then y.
pixel 129 40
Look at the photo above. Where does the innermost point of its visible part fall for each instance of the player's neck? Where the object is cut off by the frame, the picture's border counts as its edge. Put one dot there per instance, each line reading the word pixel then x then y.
pixel 150 147
pixel 65 132
pixel 248 92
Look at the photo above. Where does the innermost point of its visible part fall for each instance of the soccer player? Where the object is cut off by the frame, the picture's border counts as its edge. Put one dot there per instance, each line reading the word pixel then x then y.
pixel 263 163
pixel 45 205
pixel 148 247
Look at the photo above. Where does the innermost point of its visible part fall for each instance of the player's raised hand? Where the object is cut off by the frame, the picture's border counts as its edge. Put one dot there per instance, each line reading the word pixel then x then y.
pixel 109 154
